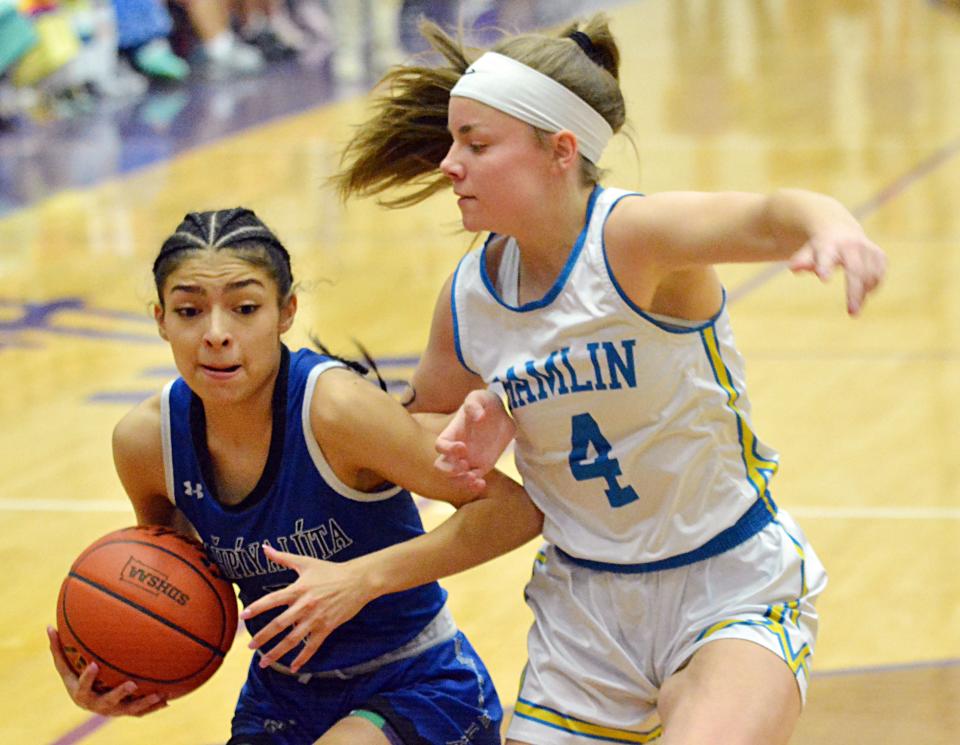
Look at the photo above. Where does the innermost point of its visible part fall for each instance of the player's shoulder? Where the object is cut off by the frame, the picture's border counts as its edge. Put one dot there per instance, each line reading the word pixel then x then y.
pixel 138 431
pixel 339 396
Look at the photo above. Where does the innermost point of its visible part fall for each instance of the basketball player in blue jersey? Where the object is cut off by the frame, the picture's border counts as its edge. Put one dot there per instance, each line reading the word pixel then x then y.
pixel 293 470
pixel 670 582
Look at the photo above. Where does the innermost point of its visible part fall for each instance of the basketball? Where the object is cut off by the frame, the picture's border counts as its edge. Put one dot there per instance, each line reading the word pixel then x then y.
pixel 146 604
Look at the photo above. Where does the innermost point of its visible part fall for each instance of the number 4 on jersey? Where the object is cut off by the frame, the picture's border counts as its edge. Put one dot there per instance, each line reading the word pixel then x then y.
pixel 584 433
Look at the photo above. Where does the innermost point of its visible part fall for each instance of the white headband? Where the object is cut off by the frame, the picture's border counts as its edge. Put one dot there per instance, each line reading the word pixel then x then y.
pixel 537 99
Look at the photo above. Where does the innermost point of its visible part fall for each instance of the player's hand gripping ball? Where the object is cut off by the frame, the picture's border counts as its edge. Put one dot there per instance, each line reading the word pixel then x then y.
pixel 146 604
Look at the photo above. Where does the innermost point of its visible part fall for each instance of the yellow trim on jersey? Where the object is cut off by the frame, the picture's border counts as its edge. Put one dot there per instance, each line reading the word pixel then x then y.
pixel 759 470
pixel 556 720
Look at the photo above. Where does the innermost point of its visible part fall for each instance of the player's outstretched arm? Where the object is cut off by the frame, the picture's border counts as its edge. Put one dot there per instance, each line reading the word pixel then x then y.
pixel 652 238
pixel 362 430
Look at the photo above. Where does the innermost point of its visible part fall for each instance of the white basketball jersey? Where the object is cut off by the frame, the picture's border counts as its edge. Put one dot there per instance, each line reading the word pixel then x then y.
pixel 634 434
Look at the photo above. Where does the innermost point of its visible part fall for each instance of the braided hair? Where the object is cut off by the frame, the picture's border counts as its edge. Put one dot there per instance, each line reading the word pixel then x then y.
pixel 241 231
pixel 237 229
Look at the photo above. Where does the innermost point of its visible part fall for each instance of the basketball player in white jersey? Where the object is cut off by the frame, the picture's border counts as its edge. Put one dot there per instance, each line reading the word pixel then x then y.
pixel 670 582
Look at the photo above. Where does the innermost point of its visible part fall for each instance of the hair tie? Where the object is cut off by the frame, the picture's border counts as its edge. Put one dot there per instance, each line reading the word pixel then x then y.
pixel 584 42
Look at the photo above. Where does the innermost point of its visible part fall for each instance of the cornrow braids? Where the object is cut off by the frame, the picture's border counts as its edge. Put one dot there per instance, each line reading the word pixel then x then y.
pixel 237 229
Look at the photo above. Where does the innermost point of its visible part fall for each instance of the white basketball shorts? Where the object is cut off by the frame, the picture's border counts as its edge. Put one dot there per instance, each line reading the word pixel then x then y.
pixel 603 642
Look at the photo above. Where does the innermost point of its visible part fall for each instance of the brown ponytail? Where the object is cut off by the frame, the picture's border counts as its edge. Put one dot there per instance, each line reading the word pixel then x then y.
pixel 405 138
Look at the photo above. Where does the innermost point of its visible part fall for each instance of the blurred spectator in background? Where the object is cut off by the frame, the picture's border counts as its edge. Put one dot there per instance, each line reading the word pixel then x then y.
pixel 211 42
pixel 143 30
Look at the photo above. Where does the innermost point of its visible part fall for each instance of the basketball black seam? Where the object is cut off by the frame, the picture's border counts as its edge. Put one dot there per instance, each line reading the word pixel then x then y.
pixel 129 673
pixel 148 612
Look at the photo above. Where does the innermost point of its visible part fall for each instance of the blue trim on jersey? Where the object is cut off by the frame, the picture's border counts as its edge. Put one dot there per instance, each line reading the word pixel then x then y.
pixel 752 522
pixel 668 327
pixel 456 321
pixel 560 281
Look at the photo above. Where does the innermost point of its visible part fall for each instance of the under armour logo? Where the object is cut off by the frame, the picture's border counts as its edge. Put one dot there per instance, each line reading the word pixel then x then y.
pixel 193 490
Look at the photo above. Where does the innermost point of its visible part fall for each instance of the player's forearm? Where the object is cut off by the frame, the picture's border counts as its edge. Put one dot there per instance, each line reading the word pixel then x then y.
pixel 793 216
pixel 477 532
pixel 433 423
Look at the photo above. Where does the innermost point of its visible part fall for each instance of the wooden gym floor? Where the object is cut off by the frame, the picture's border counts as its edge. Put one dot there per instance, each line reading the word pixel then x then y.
pixel 856 98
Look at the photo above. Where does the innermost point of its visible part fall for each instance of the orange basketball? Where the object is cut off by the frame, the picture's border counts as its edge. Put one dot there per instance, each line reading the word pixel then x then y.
pixel 146 604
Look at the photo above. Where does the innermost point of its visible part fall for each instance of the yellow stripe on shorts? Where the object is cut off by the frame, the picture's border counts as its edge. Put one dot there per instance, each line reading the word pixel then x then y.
pixel 795 659
pixel 556 720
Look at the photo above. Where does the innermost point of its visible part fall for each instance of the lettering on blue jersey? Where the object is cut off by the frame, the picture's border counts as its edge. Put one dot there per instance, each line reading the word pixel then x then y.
pixel 603 365
pixel 246 559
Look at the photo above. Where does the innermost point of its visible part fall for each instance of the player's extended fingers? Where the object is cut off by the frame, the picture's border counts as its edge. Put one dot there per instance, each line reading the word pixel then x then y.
pixel 471 480
pixel 59 658
pixel 452 448
pixel 123 701
pixel 475 482
pixel 875 266
pixel 291 561
pixel 825 257
pixel 855 293
pixel 284 621
pixel 450 465
pixel 311 644
pixel 802 260
pixel 140 707
pixel 851 258
pixel 274 599
pixel 82 691
pixel 295 636
pixel 117 699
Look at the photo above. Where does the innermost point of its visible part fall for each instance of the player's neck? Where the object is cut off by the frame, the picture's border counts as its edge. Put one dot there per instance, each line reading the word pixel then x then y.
pixel 546 243
pixel 238 422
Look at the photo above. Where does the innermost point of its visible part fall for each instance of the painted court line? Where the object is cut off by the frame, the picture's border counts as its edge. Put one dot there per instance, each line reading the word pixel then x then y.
pixel 903 667
pixel 79 732
pixel 876 513
pixel 64 505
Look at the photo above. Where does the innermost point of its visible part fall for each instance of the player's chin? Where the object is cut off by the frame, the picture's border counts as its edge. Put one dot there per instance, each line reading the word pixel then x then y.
pixel 471 217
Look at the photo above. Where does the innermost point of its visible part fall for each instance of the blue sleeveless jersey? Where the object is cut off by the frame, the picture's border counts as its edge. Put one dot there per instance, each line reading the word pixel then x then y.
pixel 298 506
